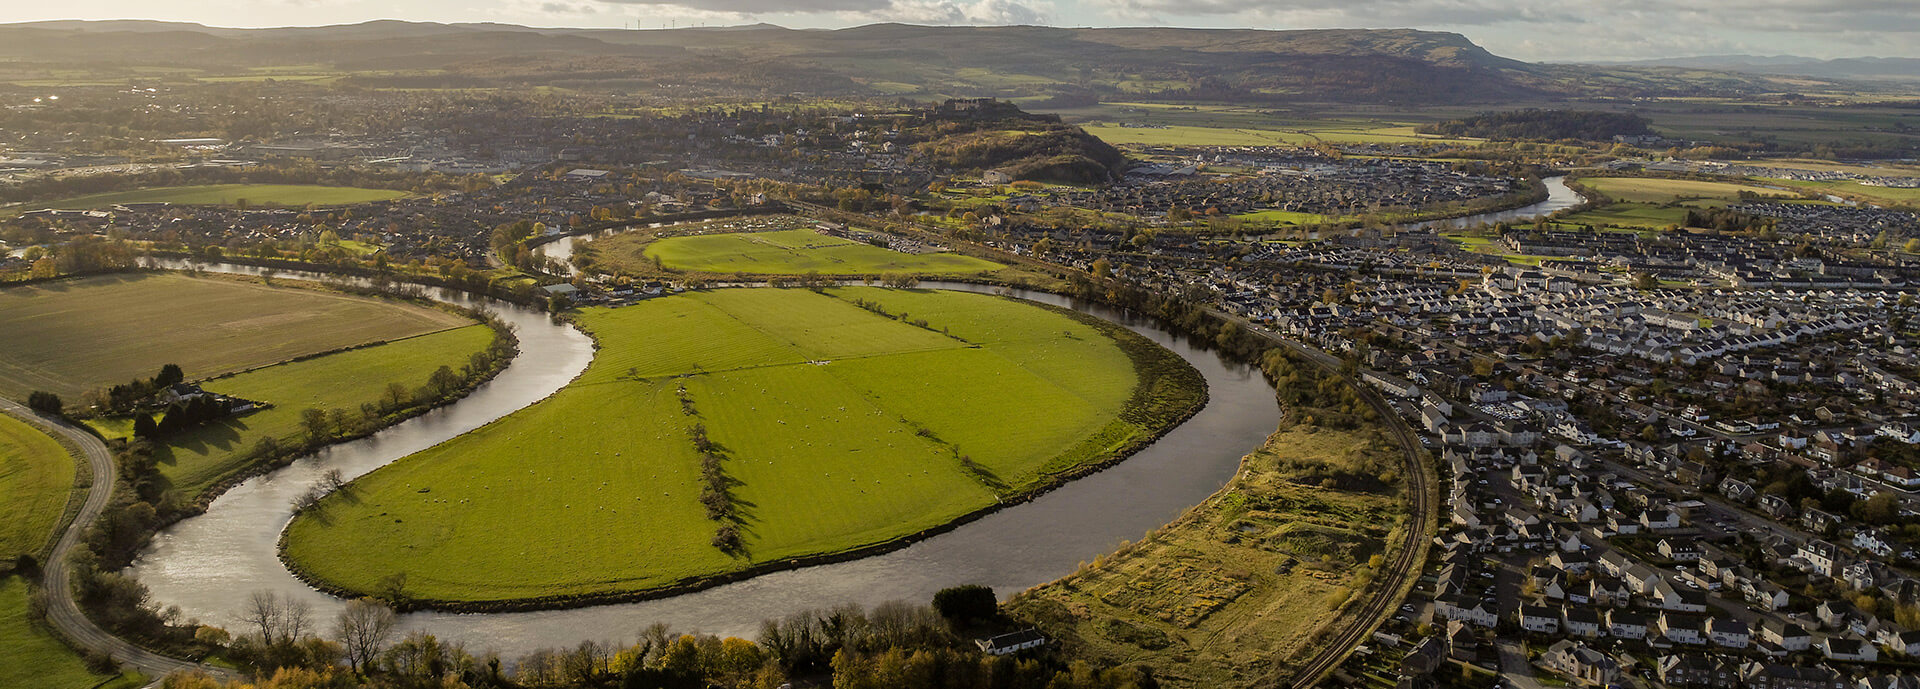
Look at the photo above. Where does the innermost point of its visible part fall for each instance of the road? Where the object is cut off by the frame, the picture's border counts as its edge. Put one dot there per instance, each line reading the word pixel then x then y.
pixel 1514 666
pixel 62 611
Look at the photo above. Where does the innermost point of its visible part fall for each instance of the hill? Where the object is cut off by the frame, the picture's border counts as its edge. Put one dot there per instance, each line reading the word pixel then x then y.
pixel 1050 66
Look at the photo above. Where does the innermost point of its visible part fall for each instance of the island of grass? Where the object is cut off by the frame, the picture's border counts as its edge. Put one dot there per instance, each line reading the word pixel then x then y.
pixel 232 194
pixel 719 434
pixel 779 252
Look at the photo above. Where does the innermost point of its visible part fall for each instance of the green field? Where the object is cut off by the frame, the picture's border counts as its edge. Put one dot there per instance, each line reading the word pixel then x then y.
pixel 229 194
pixel 34 659
pixel 791 252
pixel 1856 190
pixel 839 427
pixel 73 336
pixel 1639 215
pixel 194 460
pixel 1280 217
pixel 36 476
pixel 1657 190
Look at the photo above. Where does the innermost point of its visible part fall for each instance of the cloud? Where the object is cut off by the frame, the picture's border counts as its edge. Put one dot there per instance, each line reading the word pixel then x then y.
pixel 857 11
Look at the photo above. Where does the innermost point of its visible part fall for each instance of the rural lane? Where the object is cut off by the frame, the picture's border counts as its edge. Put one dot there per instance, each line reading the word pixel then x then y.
pixel 62 611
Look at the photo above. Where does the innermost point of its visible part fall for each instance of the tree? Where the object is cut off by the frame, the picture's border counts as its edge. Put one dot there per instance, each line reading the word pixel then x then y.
pixel 144 427
pixel 1102 268
pixel 314 420
pixel 1645 280
pixel 170 374
pixel 363 629
pixel 969 603
pixel 45 402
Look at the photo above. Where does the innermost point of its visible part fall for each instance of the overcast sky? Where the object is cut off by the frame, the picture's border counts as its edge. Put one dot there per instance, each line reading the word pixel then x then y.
pixel 1539 30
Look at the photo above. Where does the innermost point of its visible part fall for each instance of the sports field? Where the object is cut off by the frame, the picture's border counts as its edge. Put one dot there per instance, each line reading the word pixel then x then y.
pixel 194 460
pixel 1656 190
pixel 71 336
pixel 793 252
pixel 838 427
pixel 34 659
pixel 36 476
pixel 230 194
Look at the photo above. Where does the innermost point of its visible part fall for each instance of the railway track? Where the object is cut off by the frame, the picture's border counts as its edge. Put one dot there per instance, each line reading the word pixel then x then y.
pixel 1389 586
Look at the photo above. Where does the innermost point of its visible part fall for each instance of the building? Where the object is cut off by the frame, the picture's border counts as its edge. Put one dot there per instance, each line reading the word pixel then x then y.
pixel 1013 642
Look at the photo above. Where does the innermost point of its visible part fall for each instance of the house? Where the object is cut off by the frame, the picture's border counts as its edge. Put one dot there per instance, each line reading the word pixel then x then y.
pixel 1012 642
pixel 1775 506
pixel 1466 609
pixel 1728 632
pixel 1758 675
pixel 1835 648
pixel 1681 629
pixel 1627 624
pixel 1818 557
pixel 1655 520
pixel 1906 643
pixel 1426 656
pixel 1835 614
pixel 1787 635
pixel 1581 621
pixel 1581 664
pixel 1679 550
pixel 1539 619
pixel 1697 670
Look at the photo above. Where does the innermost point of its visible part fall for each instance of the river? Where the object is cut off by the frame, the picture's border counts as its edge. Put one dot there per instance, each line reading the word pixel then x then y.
pixel 208 564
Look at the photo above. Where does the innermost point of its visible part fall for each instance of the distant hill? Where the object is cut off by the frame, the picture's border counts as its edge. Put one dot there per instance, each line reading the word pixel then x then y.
pixel 1053 66
pixel 1875 68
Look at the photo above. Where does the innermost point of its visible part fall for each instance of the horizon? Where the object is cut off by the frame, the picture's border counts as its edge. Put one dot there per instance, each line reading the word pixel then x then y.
pixel 745 25
pixel 1531 30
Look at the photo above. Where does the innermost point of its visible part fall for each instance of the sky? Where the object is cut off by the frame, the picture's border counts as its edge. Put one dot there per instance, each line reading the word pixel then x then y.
pixel 1534 30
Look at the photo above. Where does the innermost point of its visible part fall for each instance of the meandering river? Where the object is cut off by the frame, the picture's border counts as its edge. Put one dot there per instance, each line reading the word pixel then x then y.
pixel 207 565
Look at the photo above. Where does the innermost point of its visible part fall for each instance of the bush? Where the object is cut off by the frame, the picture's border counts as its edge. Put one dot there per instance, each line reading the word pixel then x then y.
pixel 968 603
pixel 45 402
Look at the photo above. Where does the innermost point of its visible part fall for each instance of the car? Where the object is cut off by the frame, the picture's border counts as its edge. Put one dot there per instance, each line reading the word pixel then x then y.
pixel 1407 608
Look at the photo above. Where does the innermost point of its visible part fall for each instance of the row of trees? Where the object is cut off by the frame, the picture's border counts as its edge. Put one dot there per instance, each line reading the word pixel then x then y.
pixel 893 645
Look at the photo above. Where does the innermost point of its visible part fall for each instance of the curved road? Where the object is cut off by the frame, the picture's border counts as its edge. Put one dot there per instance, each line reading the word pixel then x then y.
pixel 62 612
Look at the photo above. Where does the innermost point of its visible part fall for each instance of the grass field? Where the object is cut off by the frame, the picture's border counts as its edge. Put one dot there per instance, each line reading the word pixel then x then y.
pixel 1283 217
pixel 839 427
pixel 34 659
pixel 791 252
pixel 1242 584
pixel 194 460
pixel 72 336
pixel 1657 190
pixel 1639 215
pixel 1856 190
pixel 229 194
pixel 36 477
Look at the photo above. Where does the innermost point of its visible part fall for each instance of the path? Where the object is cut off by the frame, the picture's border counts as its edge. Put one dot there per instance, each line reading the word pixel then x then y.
pixel 62 611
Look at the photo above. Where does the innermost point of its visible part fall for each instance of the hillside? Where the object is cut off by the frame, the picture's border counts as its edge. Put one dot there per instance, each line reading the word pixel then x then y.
pixel 1057 67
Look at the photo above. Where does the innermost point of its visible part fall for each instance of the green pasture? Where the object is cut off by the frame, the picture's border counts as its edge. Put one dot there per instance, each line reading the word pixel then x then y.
pixel 840 427
pixel 791 252
pixel 36 476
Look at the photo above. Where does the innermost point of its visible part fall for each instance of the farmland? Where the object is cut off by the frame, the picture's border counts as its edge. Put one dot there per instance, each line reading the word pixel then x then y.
pixel 197 459
pixel 230 194
pixel 35 659
pixel 841 419
pixel 73 336
pixel 788 252
pixel 1657 190
pixel 36 475
pixel 1242 584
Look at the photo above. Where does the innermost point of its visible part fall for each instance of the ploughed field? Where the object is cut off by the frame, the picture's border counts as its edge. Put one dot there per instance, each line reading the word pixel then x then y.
pixel 831 421
pixel 72 336
pixel 792 252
